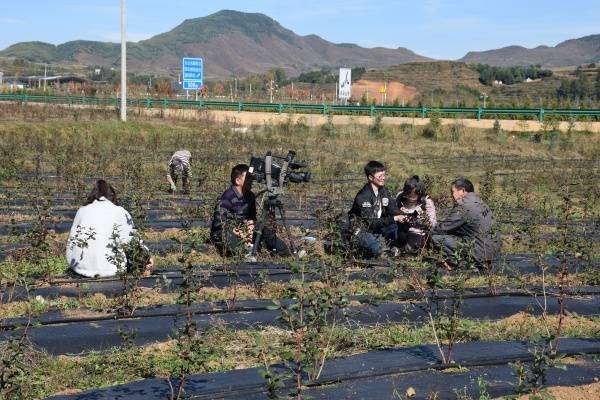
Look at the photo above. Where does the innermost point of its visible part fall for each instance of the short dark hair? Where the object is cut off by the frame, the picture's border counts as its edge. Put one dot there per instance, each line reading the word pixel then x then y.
pixel 414 184
pixel 465 184
pixel 102 189
pixel 373 167
pixel 238 171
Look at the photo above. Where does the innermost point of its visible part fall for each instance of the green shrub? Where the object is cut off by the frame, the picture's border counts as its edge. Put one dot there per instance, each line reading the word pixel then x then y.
pixel 433 128
pixel 377 130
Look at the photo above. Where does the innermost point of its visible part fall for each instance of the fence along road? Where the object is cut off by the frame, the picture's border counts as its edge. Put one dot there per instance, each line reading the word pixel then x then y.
pixel 316 114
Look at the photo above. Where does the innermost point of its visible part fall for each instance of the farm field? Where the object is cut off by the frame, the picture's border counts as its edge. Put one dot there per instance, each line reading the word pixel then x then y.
pixel 328 325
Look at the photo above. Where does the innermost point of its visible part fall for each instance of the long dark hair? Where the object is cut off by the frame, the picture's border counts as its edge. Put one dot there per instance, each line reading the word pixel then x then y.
pixel 102 189
pixel 413 184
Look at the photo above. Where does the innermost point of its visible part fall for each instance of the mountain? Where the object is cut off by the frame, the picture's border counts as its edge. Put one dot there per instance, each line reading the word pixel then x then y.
pixel 572 52
pixel 232 43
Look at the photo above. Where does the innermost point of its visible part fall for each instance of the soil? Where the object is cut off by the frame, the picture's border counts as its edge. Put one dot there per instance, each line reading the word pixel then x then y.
pixel 587 392
pixel 395 90
pixel 524 320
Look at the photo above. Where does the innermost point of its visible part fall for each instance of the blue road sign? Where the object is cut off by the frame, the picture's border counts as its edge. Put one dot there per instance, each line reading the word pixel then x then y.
pixel 193 73
pixel 191 85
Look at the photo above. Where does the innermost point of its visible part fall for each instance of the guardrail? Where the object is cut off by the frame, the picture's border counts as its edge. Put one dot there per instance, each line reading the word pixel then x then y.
pixel 325 109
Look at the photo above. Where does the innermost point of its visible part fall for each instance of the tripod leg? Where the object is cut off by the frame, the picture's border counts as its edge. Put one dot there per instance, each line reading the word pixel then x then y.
pixel 260 225
pixel 257 238
pixel 287 229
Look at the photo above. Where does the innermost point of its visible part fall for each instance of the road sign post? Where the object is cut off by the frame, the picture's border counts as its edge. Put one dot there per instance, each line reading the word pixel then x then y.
pixel 192 73
pixel 345 85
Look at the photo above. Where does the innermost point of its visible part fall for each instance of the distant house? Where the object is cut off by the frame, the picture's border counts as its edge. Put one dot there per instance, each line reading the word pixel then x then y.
pixel 13 82
pixel 498 83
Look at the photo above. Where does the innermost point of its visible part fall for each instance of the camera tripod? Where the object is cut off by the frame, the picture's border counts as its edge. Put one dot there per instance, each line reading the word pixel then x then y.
pixel 270 204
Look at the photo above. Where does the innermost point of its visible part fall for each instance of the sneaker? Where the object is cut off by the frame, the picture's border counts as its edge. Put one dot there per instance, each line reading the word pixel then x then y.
pixel 250 258
pixel 302 253
pixel 394 251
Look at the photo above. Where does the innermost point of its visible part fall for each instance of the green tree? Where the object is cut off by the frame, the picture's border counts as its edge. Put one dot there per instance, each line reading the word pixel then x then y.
pixel 598 84
pixel 280 76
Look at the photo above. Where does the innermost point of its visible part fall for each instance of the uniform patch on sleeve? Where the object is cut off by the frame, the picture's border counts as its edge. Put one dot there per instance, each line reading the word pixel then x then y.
pixel 385 201
pixel 366 204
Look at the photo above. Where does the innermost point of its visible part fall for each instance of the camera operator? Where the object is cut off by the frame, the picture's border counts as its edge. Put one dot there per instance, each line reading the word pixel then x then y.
pixel 374 213
pixel 233 224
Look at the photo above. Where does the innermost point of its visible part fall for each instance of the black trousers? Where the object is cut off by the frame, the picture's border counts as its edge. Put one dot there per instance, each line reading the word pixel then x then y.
pixel 411 242
pixel 229 244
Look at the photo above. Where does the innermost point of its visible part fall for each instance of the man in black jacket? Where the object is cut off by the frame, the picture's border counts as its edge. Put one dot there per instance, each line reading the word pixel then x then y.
pixel 374 213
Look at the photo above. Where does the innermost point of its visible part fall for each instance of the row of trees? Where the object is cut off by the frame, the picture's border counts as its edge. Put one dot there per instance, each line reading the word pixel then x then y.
pixel 509 75
pixel 582 87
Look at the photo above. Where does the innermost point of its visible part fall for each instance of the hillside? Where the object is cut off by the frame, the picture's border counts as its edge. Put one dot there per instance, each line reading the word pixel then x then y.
pixel 429 76
pixel 231 42
pixel 571 52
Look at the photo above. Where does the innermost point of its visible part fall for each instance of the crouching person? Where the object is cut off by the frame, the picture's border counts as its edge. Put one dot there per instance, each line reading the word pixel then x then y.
pixel 103 241
pixel 468 232
pixel 180 165
pixel 419 214
pixel 374 214
pixel 233 225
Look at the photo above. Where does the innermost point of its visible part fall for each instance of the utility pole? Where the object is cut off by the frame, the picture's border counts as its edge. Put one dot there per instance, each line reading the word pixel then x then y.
pixel 123 65
pixel 235 80
pixel 271 90
pixel 45 77
pixel 484 97
pixel 336 93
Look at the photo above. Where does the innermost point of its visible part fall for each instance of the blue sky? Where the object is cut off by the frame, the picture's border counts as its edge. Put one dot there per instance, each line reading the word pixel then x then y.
pixel 435 28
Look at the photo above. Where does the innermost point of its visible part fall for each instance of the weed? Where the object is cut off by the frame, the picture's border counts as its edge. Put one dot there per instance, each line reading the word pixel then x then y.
pixel 328 129
pixel 433 129
pixel 377 129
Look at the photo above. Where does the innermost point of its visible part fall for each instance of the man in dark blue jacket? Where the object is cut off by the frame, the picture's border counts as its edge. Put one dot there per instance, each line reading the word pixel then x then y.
pixel 374 213
pixel 233 225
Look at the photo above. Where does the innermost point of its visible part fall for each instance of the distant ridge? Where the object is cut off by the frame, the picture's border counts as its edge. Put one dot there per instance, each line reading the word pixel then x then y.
pixel 233 43
pixel 572 52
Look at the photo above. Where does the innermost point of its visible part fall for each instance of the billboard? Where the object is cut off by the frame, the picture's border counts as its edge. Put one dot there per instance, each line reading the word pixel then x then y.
pixel 345 84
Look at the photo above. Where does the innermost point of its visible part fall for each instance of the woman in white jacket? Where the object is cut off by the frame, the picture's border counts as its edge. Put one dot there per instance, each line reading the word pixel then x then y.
pixel 99 232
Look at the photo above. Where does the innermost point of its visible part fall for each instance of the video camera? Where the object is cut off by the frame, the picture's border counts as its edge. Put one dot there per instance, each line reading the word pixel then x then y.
pixel 267 170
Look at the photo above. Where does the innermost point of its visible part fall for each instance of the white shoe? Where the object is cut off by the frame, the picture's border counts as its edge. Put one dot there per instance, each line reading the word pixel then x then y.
pixel 249 258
